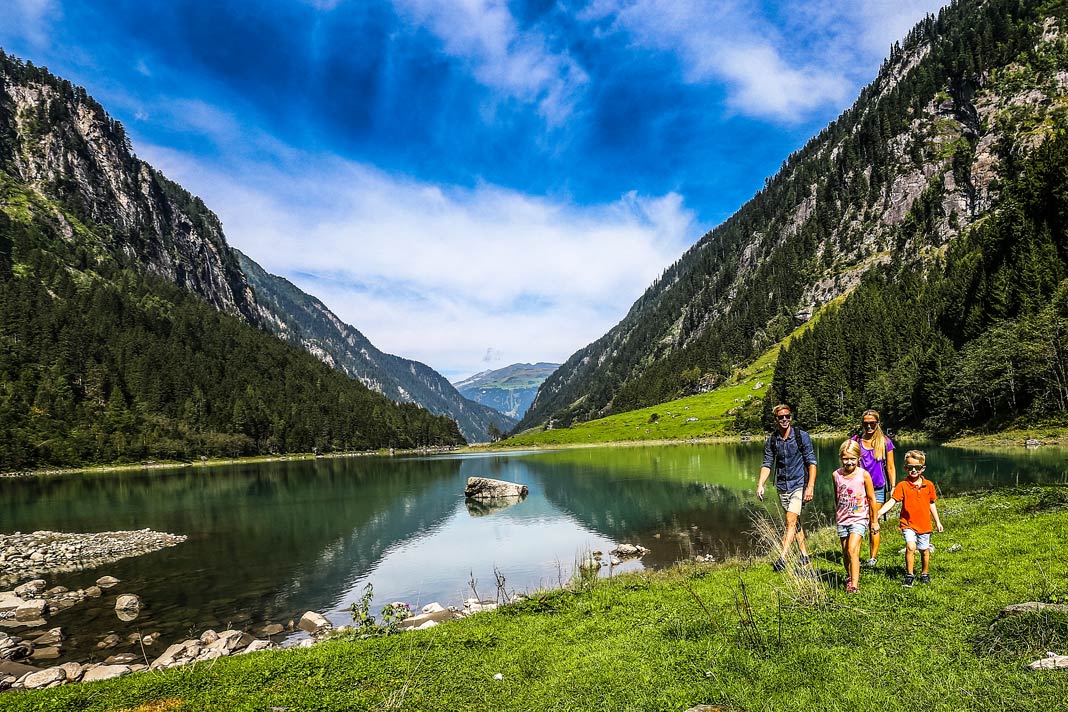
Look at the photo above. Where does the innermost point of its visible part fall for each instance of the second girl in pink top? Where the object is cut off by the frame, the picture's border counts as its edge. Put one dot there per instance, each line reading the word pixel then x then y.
pixel 857 509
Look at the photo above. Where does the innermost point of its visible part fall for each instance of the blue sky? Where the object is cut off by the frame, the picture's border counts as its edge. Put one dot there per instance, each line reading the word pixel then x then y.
pixel 470 183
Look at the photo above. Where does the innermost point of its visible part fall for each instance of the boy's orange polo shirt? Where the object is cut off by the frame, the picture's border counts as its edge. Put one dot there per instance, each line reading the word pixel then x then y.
pixel 915 504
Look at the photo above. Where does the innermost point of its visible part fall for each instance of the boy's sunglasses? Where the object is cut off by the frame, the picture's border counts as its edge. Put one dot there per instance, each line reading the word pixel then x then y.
pixel 915 468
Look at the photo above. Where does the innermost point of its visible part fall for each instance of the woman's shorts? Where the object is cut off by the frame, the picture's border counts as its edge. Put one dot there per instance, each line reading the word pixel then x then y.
pixel 880 494
pixel 792 501
pixel 922 541
pixel 858 528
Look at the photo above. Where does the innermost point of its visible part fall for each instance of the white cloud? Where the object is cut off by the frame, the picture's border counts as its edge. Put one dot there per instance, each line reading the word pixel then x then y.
pixel 30 19
pixel 809 55
pixel 442 275
pixel 500 55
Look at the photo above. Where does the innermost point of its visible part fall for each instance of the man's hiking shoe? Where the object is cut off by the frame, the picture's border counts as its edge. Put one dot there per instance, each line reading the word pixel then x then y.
pixel 909 580
pixel 925 578
pixel 805 560
pixel 778 565
pixel 871 563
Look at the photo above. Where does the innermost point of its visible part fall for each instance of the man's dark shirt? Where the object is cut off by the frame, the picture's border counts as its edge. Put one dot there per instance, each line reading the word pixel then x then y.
pixel 792 473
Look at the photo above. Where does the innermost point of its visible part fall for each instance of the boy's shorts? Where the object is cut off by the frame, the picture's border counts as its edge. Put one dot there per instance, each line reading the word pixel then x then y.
pixel 858 528
pixel 792 501
pixel 922 541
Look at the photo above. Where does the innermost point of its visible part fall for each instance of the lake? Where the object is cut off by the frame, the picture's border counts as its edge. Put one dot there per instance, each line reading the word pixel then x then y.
pixel 270 541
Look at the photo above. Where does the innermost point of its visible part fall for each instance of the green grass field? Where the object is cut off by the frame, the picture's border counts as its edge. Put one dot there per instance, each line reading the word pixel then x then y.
pixel 707 415
pixel 733 634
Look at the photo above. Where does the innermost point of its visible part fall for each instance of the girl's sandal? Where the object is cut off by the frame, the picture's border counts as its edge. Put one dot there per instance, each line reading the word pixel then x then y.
pixel 850 588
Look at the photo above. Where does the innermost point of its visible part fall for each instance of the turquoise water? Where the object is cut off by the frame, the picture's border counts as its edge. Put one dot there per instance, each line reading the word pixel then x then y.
pixel 270 541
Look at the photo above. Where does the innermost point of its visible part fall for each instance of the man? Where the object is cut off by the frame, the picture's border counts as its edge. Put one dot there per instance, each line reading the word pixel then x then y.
pixel 790 453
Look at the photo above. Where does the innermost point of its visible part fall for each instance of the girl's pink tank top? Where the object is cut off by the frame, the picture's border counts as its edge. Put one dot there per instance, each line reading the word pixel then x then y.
pixel 851 497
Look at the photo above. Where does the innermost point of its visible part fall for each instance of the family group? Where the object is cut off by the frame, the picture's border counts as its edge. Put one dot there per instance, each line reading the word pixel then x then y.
pixel 862 486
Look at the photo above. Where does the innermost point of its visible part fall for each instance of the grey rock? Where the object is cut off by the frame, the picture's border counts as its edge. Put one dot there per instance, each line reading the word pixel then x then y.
pixel 1017 609
pixel 624 551
pixel 93 592
pixel 273 629
pixel 128 602
pixel 486 488
pixel 31 610
pixel 208 637
pixel 46 653
pixel 109 641
pixel 50 637
pixel 9 601
pixel 73 671
pixel 30 588
pixel 107 581
pixel 105 672
pixel 120 659
pixel 434 617
pixel 1052 661
pixel 312 622
pixel 257 645
pixel 37 680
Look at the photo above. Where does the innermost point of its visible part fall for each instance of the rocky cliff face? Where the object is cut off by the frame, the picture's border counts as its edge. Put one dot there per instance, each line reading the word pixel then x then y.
pixel 910 166
pixel 60 142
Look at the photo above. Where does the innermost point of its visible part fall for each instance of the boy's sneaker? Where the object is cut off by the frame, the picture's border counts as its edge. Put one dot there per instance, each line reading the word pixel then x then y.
pixel 871 563
pixel 778 565
pixel 925 578
pixel 909 580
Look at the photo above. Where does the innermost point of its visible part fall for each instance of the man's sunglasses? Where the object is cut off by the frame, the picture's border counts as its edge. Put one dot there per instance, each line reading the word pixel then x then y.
pixel 784 416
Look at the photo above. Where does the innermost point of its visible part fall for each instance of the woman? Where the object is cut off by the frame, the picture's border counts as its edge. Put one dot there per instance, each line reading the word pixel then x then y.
pixel 877 457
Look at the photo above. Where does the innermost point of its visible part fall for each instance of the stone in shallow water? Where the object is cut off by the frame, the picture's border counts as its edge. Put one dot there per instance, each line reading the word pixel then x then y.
pixel 32 610
pixel 313 622
pixel 107 581
pixel 30 588
pixel 47 653
pixel 486 488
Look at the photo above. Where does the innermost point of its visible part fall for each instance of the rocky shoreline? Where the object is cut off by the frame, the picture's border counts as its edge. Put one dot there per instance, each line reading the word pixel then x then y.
pixel 45 552
pixel 31 598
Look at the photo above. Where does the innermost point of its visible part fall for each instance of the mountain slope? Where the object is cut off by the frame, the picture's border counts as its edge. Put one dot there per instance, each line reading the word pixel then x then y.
pixel 128 329
pixel 303 320
pixel 901 174
pixel 509 390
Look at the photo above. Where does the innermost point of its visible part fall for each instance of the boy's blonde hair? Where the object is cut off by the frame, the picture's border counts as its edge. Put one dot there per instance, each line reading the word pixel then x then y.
pixel 850 446
pixel 918 455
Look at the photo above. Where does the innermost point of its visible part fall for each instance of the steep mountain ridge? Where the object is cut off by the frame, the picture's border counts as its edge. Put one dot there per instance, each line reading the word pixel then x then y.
pixel 509 390
pixel 303 320
pixel 59 143
pixel 62 144
pixel 911 165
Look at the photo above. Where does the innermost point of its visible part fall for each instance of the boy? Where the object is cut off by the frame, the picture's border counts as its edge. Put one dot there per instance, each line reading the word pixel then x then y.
pixel 917 496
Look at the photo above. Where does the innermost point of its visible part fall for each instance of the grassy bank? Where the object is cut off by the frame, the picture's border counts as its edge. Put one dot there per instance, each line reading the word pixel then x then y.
pixel 671 640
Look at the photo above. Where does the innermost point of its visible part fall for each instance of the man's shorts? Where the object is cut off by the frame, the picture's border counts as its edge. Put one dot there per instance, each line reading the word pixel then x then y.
pixel 858 528
pixel 792 501
pixel 922 541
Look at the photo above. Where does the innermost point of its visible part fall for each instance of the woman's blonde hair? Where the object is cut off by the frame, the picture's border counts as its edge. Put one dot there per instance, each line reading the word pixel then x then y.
pixel 878 438
pixel 850 446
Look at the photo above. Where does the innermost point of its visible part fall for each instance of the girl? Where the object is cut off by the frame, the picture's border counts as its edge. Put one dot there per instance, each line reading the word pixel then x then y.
pixel 856 508
pixel 877 457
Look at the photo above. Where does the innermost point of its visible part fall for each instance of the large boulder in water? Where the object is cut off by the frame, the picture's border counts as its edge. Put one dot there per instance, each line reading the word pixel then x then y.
pixel 485 488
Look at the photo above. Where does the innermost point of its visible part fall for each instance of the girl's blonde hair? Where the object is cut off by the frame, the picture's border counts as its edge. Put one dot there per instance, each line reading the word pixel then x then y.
pixel 850 446
pixel 878 438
